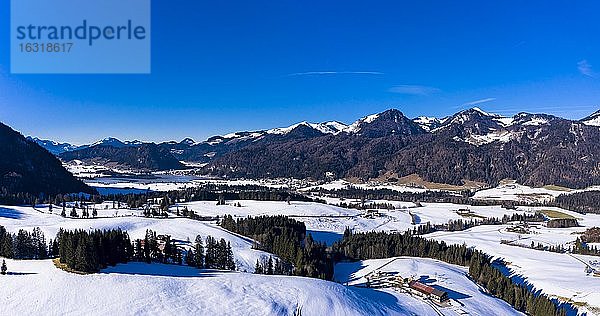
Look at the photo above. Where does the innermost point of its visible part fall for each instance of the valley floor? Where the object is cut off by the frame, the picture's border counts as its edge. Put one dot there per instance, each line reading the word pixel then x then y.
pixel 38 287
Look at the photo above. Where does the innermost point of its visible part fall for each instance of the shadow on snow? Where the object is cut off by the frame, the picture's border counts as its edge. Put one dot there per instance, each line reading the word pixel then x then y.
pixel 159 269
pixel 10 213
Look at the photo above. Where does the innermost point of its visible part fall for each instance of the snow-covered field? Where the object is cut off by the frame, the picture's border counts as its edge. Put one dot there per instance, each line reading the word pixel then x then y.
pixel 155 289
pixel 139 288
pixel 335 219
pixel 39 288
pixel 513 191
pixel 465 296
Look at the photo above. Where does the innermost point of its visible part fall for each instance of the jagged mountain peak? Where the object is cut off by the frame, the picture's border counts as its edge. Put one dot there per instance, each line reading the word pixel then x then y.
pixel 389 122
pixel 330 127
pixel 473 121
pixel 473 113
pixel 479 111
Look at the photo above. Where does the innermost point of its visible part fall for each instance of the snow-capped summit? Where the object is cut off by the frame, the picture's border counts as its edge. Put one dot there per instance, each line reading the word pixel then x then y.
pixel 469 114
pixel 529 119
pixel 109 141
pixel 428 123
pixel 474 121
pixel 390 122
pixel 482 112
pixel 355 127
pixel 592 120
pixel 285 130
pixel 332 127
pixel 187 141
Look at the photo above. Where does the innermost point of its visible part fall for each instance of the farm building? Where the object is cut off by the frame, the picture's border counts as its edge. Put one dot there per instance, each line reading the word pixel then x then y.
pixel 428 291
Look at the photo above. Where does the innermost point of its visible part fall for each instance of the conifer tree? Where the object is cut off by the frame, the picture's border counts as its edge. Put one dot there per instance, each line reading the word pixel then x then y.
pixel 270 266
pixel 73 212
pixel 189 258
pixel 199 253
pixel 230 262
pixel 258 268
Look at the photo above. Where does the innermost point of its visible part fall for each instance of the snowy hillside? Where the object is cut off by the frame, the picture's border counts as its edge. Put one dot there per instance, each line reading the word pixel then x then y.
pixel 466 298
pixel 140 288
pixel 560 275
pixel 155 289
pixel 593 119
pixel 15 218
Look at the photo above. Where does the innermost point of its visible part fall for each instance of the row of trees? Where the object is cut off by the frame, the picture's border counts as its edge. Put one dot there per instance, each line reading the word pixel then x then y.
pixel 23 245
pixel 583 202
pixel 91 251
pixel 271 267
pixel 378 245
pixel 218 254
pixel 210 192
pixel 357 193
pixel 583 248
pixel 24 198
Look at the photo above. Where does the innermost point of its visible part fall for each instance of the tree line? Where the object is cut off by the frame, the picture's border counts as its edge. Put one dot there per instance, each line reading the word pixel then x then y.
pixel 91 251
pixel 582 202
pixel 23 244
pixel 272 266
pixel 286 238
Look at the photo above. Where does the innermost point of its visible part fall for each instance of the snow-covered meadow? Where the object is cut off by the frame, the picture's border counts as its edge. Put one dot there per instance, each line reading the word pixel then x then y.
pixel 39 288
pixel 156 289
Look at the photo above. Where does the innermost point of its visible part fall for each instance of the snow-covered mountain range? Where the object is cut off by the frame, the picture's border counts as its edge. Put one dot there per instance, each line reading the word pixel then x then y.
pixel 492 122
pixel 470 145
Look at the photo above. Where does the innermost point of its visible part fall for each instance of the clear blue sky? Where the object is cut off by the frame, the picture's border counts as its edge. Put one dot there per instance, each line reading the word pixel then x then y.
pixel 223 66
